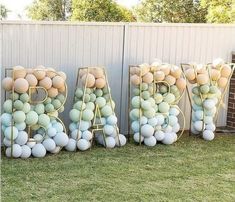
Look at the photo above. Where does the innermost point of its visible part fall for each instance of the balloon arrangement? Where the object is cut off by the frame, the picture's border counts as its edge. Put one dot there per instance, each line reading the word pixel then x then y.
pixel 30 123
pixel 209 84
pixel 93 112
pixel 157 89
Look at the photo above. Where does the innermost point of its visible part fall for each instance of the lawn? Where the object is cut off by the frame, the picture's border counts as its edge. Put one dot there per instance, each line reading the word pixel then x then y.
pixel 190 170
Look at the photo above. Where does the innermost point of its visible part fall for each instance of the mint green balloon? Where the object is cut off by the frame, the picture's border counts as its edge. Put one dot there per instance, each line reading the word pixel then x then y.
pixel 136 91
pixel 111 103
pixel 79 93
pixel 61 109
pixel 195 90
pixel 106 111
pixel 98 92
pixel 7 106
pixel 56 103
pixel 158 98
pixel 18 105
pixel 152 101
pixel 89 90
pixel 87 115
pixel 156 108
pixel 145 105
pixel 135 101
pixel 197 100
pixel 145 95
pixel 144 86
pixel 79 105
pixel 31 118
pixel 105 90
pixel 205 89
pixel 26 108
pixel 214 89
pixel 90 105
pixel 135 114
pixel 100 101
pixel 106 97
pixel 92 97
pixel 163 107
pixel 150 113
pixel 19 116
pixel 47 101
pixel 24 97
pixel 74 115
pixel 173 89
pixel 43 120
pixel 86 98
pixel 169 98
pixel 49 108
pixel 14 96
pixel 61 98
pixel 163 89
pixel 39 109
pixel 11 132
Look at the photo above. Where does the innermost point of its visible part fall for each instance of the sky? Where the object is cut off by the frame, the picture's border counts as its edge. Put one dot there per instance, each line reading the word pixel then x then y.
pixel 17 7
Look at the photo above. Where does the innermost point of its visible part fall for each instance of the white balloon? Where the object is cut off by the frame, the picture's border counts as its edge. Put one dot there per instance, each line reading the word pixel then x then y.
pixel 39 150
pixel 49 144
pixel 71 146
pixel 7 142
pixel 110 142
pixel 51 132
pixel 160 119
pixel 31 142
pixel 108 129
pixel 143 120
pixel 159 135
pixel 83 144
pixel 150 141
pixel 16 151
pixel 26 152
pixel 38 138
pixel 120 140
pixel 176 128
pixel 147 130
pixel 169 138
pixel 76 135
pixel 61 139
pixel 199 126
pixel 87 135
pixel 152 121
pixel 137 137
pixel 210 126
pixel 208 135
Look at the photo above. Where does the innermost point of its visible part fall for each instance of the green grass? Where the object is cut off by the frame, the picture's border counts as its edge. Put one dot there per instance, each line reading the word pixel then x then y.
pixel 190 170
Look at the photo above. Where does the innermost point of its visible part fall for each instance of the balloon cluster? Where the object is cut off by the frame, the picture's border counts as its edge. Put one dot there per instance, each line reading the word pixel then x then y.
pixel 208 83
pixel 45 132
pixel 93 107
pixel 157 88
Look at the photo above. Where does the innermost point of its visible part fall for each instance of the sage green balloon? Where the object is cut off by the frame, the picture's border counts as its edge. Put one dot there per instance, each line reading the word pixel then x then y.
pixel 135 101
pixel 24 97
pixel 86 98
pixel 145 95
pixel 163 89
pixel 79 93
pixel 197 100
pixel 19 116
pixel 169 98
pixel 74 115
pixel 43 120
pixel 14 96
pixel 152 101
pixel 106 111
pixel 205 89
pixel 79 105
pixel 61 98
pixel 150 113
pixel 111 103
pixel 135 114
pixel 92 97
pixel 26 108
pixel 61 109
pixel 144 86
pixel 214 89
pixel 158 98
pixel 7 106
pixel 87 115
pixel 106 97
pixel 163 107
pixel 89 90
pixel 145 105
pixel 18 105
pixel 90 105
pixel 56 103
pixel 195 90
pixel 39 109
pixel 105 90
pixel 47 101
pixel 151 90
pixel 136 91
pixel 49 108
pixel 31 118
pixel 100 101
pixel 98 92
pixel 173 89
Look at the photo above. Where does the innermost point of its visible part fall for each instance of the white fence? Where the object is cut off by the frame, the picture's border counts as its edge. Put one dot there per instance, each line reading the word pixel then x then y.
pixel 67 46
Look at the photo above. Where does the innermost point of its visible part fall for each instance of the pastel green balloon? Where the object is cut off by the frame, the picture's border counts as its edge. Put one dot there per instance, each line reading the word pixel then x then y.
pixel 90 105
pixel 135 114
pixel 14 96
pixel 100 101
pixel 24 97
pixel 205 89
pixel 135 101
pixel 89 90
pixel 145 95
pixel 197 100
pixel 18 105
pixel 7 106
pixel 174 89
pixel 163 107
pixel 19 116
pixel 195 90
pixel 136 91
pixel 98 92
pixel 158 98
pixel 49 108
pixel 214 89
pixel 145 105
pixel 20 126
pixel 79 93
pixel 43 120
pixel 144 86
pixel 74 115
pixel 61 98
pixel 31 118
pixel 26 108
pixel 150 113
pixel 47 101
pixel 105 90
pixel 163 89
pixel 61 109
pixel 87 115
pixel 79 105
pixel 56 103
pixel 92 97
pixel 111 103
pixel 39 108
pixel 11 132
pixel 86 98
pixel 106 97
pixel 169 98
pixel 106 111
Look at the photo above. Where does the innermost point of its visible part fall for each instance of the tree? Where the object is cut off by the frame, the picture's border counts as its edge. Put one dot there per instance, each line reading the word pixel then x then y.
pixel 219 11
pixel 50 10
pixel 184 11
pixel 100 10
pixel 4 12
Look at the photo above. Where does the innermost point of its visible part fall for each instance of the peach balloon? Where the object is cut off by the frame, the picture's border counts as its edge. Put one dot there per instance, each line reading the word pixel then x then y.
pixel 159 75
pixel 90 80
pixel 202 79
pixel 215 74
pixel 62 89
pixel 175 72
pixel 201 69
pixel 50 72
pixel 190 74
pixel 19 72
pixel 46 83
pixel 181 83
pixel 99 83
pixel 21 85
pixel 193 81
pixel 29 70
pixel 170 80
pixel 148 78
pixel 57 82
pixel 32 80
pixel 7 83
pixel 52 92
pixel 166 69
pixel 136 80
pixel 222 82
pixel 226 71
pixel 97 72
pixel 40 74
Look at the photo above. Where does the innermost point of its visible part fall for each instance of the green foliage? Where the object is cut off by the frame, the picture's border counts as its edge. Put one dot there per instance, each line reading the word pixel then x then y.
pixel 219 11
pixel 192 169
pixel 49 10
pixel 100 10
pixel 184 11
pixel 3 11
